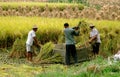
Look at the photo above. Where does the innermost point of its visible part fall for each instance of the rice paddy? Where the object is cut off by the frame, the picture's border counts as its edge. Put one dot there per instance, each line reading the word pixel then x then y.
pixel 17 19
pixel 51 28
pixel 60 10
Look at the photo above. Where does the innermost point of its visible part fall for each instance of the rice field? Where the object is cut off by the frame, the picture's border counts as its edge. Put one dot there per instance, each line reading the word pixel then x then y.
pixel 50 29
pixel 14 28
pixel 36 9
pixel 16 4
pixel 103 2
pixel 60 10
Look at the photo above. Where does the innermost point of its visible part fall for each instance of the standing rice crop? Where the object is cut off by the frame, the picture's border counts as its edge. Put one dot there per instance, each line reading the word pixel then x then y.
pixel 50 29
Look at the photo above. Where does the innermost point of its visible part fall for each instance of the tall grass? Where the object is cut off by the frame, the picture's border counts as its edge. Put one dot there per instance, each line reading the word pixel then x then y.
pixel 51 29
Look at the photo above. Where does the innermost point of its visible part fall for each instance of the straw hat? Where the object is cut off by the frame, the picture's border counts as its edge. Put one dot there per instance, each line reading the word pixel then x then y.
pixel 91 25
pixel 35 26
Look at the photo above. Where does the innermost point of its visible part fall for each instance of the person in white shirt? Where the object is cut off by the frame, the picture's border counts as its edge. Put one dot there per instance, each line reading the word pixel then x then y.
pixel 30 39
pixel 94 39
pixel 117 56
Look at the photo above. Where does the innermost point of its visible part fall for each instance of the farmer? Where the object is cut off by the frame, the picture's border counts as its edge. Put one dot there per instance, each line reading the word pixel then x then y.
pixel 31 37
pixel 117 56
pixel 94 40
pixel 70 43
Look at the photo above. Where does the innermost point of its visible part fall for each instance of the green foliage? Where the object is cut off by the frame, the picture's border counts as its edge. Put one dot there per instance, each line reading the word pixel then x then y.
pixel 103 69
pixel 82 1
pixel 53 74
pixel 112 68
pixel 70 1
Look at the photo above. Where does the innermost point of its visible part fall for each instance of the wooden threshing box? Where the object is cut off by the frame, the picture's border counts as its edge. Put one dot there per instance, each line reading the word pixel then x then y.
pixel 83 53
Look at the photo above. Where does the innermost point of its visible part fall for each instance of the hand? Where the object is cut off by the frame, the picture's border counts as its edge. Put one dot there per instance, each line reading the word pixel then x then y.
pixel 89 41
pixel 40 45
pixel 80 46
pixel 87 44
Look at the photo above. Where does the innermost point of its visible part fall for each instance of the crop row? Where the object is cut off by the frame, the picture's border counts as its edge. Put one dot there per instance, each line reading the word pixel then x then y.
pixel 107 12
pixel 51 29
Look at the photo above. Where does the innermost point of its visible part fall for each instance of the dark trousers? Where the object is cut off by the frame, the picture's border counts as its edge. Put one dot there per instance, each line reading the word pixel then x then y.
pixel 96 48
pixel 70 50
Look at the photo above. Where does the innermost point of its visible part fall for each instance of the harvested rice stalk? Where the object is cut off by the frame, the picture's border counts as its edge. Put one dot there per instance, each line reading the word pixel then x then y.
pixel 47 55
pixel 18 49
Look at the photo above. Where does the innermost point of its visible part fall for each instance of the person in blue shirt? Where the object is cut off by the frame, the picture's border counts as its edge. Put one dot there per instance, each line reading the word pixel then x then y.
pixel 70 43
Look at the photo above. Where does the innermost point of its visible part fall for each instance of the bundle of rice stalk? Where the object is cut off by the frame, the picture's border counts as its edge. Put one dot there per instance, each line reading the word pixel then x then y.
pixel 117 18
pixel 84 27
pixel 18 49
pixel 1 9
pixel 112 35
pixel 98 17
pixel 47 55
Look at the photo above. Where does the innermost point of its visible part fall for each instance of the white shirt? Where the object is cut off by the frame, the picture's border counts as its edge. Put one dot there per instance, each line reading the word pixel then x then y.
pixel 95 32
pixel 30 39
pixel 117 57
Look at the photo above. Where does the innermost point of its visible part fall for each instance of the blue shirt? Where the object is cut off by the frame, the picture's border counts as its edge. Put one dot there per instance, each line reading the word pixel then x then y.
pixel 69 35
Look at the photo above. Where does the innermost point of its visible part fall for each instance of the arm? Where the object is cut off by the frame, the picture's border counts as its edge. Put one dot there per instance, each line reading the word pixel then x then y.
pixel 93 35
pixel 36 41
pixel 33 35
pixel 76 32
pixel 92 38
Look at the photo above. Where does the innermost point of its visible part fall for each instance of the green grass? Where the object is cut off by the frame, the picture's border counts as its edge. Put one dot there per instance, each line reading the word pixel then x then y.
pixel 103 69
pixel 21 68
